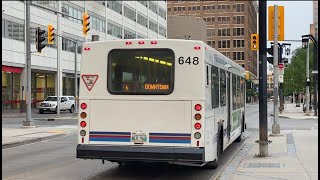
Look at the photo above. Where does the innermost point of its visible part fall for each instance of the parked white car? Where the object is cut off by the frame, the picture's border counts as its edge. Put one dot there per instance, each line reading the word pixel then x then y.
pixel 50 104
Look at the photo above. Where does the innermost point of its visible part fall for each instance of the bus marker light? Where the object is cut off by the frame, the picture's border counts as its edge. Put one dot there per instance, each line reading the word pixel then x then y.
pixel 82 140
pixel 197 143
pixel 141 42
pixel 87 49
pixel 197 47
pixel 197 116
pixel 197 107
pixel 128 43
pixel 197 126
pixel 83 133
pixel 83 124
pixel 83 115
pixel 83 106
pixel 197 135
pixel 153 42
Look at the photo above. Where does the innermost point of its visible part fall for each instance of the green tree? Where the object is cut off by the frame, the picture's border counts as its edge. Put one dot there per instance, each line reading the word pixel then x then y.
pixel 295 72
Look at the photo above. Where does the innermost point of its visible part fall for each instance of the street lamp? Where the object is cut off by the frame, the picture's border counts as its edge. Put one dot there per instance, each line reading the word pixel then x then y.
pixel 305 44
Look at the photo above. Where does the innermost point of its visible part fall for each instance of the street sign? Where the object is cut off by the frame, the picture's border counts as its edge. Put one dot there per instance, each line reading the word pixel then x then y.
pixel 281 71
pixel 281 65
pixel 280 78
pixel 314 72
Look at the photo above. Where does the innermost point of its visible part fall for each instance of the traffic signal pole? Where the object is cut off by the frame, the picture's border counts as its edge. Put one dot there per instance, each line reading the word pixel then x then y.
pixel 275 125
pixel 263 121
pixel 28 122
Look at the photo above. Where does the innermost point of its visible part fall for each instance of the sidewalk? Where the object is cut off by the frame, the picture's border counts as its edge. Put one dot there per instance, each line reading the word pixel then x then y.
pixel 293 156
pixel 12 137
pixel 15 113
pixel 293 112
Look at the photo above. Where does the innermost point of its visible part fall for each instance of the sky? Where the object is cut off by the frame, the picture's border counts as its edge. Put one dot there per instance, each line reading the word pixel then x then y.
pixel 298 15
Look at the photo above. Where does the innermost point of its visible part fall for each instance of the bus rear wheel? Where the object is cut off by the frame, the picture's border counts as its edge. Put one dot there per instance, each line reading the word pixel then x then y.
pixel 214 164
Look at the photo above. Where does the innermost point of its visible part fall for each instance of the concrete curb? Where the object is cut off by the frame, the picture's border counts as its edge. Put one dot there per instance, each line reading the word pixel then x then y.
pixel 300 118
pixel 20 143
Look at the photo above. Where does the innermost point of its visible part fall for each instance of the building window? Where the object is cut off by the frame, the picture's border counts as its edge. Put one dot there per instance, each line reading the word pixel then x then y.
pixel 129 13
pixel 140 36
pixel 238 7
pixel 211 43
pixel 142 20
pixel 69 45
pixel 145 3
pixel 162 13
pixel 209 20
pixel 153 7
pixel 101 2
pixel 224 44
pixel 210 32
pixel 224 19
pixel 238 56
pixel 49 4
pixel 224 32
pixel 238 31
pixel 73 12
pixel 129 34
pixel 238 19
pixel 97 24
pixel 114 29
pixel 223 7
pixel 238 43
pixel 162 31
pixel 227 54
pixel 153 26
pixel 115 5
pixel 13 30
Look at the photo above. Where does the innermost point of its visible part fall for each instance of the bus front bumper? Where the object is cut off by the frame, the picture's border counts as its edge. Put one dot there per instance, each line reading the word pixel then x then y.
pixel 140 153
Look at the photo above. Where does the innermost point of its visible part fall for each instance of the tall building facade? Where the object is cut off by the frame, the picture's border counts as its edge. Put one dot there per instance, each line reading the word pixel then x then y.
pixel 315 18
pixel 108 19
pixel 229 27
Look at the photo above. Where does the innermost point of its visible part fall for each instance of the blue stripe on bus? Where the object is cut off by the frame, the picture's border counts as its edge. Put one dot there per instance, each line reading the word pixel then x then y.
pixel 101 132
pixel 169 134
pixel 169 141
pixel 111 139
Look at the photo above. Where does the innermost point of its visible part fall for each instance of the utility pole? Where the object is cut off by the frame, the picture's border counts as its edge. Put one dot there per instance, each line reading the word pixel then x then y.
pixel 76 79
pixel 315 77
pixel 263 122
pixel 58 62
pixel 28 122
pixel 275 125
pixel 307 112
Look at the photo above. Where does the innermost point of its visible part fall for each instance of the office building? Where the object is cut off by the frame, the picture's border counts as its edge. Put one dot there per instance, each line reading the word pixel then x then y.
pixel 229 27
pixel 108 19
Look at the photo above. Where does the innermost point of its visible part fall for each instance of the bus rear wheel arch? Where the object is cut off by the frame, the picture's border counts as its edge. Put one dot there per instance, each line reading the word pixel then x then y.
pixel 214 164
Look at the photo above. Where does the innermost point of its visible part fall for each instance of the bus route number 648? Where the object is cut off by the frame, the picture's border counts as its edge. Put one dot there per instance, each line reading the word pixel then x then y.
pixel 188 60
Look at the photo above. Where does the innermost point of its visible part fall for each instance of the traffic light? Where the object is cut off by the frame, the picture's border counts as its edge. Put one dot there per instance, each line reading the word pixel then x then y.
pixel 247 76
pixel 254 42
pixel 85 23
pixel 40 39
pixel 50 34
pixel 280 23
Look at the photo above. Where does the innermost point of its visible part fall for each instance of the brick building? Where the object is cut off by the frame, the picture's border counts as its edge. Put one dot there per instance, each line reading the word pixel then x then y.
pixel 229 27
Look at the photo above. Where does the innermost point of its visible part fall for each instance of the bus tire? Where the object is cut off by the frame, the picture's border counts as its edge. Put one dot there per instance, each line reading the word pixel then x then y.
pixel 214 164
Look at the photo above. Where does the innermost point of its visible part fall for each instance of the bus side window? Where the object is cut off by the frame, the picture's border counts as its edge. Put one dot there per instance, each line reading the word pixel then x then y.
pixel 214 87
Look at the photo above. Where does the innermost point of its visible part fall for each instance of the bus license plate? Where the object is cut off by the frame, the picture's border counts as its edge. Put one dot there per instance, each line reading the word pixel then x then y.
pixel 139 138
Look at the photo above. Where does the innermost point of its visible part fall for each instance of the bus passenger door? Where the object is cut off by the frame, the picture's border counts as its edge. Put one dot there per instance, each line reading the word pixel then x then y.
pixel 228 106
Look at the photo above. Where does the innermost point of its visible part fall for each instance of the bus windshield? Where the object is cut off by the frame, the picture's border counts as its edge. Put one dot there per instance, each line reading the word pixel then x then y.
pixel 141 71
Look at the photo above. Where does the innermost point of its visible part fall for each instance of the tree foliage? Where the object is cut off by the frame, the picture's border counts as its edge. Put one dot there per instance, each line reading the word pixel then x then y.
pixel 295 73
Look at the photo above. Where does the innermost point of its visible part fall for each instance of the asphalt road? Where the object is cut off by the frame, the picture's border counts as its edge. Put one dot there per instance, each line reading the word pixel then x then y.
pixel 55 158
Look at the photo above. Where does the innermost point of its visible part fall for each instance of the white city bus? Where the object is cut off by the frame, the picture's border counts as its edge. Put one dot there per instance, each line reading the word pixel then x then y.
pixel 168 100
